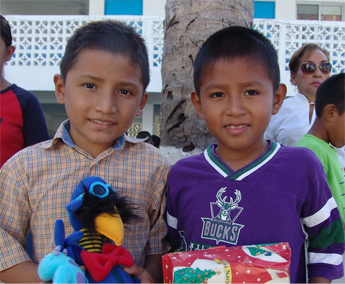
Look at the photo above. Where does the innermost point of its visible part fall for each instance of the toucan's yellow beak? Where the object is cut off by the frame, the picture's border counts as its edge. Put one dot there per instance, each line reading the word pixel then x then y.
pixel 110 226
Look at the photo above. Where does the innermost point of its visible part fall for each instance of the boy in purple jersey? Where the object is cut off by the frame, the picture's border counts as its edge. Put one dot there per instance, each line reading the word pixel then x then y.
pixel 246 190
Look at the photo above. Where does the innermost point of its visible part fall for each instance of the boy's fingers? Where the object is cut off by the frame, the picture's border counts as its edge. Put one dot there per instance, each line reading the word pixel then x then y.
pixel 142 274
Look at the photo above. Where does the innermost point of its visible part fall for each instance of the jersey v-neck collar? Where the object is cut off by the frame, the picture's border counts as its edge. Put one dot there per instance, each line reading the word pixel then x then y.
pixel 219 166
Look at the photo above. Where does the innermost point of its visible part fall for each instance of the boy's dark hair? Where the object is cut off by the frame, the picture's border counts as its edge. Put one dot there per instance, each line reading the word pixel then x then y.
pixel 331 91
pixel 107 35
pixel 236 42
pixel 6 34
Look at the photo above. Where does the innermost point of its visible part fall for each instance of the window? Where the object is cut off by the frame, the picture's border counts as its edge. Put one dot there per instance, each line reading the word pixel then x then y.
pixel 331 13
pixel 264 9
pixel 123 7
pixel 307 12
pixel 320 12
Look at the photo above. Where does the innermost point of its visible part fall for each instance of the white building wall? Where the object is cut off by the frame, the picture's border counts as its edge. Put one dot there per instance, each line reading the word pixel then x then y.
pixel 154 8
pixel 150 7
pixel 286 9
pixel 147 118
pixel 96 7
pixel 319 2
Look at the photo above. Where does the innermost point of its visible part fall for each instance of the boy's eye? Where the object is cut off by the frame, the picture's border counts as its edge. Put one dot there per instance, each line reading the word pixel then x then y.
pixel 125 92
pixel 251 93
pixel 217 95
pixel 89 86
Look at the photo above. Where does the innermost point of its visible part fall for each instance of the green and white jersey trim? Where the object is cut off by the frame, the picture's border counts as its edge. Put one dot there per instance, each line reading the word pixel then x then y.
pixel 241 174
pixel 321 215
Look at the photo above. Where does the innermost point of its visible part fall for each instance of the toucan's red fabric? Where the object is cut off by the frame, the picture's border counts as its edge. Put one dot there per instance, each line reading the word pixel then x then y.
pixel 100 264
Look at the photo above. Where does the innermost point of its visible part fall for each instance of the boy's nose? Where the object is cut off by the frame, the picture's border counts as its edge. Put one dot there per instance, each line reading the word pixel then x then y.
pixel 235 107
pixel 106 103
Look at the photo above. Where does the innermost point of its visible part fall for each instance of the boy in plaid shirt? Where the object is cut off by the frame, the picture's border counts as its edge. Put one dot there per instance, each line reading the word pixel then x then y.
pixel 104 74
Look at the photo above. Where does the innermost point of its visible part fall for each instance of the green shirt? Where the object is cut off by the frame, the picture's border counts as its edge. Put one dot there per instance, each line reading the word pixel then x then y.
pixel 332 166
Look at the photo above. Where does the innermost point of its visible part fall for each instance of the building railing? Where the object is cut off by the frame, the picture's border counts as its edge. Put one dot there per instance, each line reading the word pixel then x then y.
pixel 40 43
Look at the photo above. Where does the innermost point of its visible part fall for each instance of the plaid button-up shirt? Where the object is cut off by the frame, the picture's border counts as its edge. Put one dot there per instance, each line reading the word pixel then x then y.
pixel 37 183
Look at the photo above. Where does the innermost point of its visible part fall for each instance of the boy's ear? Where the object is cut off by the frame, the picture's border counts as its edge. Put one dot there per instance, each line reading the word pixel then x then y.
pixel 142 104
pixel 9 52
pixel 59 89
pixel 279 98
pixel 197 104
pixel 329 112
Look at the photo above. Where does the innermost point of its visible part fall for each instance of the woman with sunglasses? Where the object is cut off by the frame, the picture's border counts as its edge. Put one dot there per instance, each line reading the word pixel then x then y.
pixel 309 67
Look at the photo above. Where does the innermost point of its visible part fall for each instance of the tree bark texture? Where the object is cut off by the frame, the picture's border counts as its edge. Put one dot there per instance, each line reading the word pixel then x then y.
pixel 188 23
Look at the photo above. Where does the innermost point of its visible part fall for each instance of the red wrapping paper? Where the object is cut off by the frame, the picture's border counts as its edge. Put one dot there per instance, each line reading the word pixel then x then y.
pixel 240 264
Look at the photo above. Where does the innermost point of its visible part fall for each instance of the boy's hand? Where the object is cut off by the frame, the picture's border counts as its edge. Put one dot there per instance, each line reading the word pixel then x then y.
pixel 139 272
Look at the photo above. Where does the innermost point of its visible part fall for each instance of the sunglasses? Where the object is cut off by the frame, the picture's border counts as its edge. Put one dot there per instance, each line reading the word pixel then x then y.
pixel 310 68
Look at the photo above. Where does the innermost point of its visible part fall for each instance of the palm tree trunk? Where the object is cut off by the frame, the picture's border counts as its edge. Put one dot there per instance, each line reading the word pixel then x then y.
pixel 188 24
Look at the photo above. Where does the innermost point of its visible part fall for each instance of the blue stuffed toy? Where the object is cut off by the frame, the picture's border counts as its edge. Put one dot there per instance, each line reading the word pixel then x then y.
pixel 97 214
pixel 57 266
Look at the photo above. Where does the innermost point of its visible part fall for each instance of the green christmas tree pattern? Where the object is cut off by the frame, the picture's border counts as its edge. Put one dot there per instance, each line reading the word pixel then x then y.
pixel 257 250
pixel 190 275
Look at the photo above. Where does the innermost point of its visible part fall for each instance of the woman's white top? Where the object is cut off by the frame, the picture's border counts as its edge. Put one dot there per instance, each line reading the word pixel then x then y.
pixel 292 122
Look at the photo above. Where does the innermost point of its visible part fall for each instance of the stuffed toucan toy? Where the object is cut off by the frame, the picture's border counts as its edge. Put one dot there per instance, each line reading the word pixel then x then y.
pixel 97 215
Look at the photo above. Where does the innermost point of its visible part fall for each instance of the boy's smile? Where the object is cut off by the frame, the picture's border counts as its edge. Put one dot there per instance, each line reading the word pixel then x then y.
pixel 103 92
pixel 236 102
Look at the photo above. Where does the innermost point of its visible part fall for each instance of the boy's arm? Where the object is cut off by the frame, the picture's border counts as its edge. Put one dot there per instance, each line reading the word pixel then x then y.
pixel 152 271
pixel 25 272
pixel 324 226
pixel 319 280
pixel 172 208
pixel 153 264
pixel 14 212
pixel 157 243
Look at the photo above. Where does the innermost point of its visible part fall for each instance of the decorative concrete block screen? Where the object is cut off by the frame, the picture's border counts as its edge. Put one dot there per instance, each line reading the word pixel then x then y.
pixel 40 42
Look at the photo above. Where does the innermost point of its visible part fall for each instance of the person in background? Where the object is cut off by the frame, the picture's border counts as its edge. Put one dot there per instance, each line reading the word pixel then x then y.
pixel 22 122
pixel 309 67
pixel 145 135
pixel 329 127
pixel 156 141
pixel 246 190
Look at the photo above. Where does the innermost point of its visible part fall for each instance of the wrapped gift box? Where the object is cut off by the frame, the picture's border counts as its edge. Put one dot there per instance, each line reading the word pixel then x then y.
pixel 240 264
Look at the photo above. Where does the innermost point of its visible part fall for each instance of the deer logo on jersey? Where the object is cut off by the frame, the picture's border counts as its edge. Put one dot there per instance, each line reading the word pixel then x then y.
pixel 226 207
pixel 222 226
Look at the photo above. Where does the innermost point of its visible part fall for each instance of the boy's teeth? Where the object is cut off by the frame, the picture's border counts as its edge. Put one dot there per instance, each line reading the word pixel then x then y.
pixel 235 127
pixel 101 122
